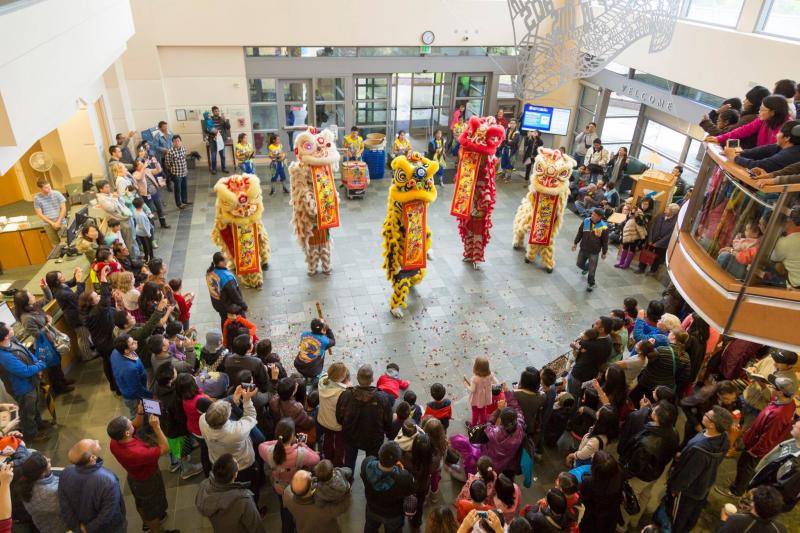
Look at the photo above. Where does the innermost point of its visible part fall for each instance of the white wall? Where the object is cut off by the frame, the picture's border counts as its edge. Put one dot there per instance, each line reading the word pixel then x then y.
pixel 51 54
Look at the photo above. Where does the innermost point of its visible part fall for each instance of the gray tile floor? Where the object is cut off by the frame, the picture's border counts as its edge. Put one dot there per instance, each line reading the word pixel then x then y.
pixel 515 313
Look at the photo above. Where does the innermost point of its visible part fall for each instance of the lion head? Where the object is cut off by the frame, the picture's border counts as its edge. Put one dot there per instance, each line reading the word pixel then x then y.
pixel 315 147
pixel 551 171
pixel 412 178
pixel 239 199
pixel 482 135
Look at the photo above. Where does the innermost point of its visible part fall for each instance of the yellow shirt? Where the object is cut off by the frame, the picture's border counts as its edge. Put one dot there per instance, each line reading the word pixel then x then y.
pixel 244 152
pixel 458 129
pixel 354 146
pixel 401 147
pixel 275 151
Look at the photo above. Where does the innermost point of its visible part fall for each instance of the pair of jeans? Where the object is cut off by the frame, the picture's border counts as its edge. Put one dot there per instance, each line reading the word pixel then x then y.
pixel 351 454
pixel 728 261
pixel 154 203
pixel 145 246
pixel 30 418
pixel 181 195
pixel 279 171
pixel 687 513
pixel 391 524
pixel 745 469
pixel 588 262
pixel 221 160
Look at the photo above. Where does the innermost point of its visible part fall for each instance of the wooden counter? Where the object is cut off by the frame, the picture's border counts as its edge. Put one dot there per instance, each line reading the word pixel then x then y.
pixel 716 153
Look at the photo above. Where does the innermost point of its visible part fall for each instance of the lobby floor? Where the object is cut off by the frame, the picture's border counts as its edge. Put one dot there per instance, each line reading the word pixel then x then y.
pixel 516 314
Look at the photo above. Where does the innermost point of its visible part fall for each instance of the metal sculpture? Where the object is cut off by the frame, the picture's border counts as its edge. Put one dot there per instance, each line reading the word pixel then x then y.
pixel 557 44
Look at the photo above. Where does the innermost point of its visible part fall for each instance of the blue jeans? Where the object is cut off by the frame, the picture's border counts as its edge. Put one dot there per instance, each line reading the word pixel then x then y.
pixel 221 159
pixel 132 405
pixel 30 417
pixel 181 195
pixel 728 261
pixel 574 388
pixel 391 524
pixel 280 171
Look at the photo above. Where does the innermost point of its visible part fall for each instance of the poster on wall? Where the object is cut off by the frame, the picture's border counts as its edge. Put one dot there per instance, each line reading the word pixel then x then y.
pixel 553 120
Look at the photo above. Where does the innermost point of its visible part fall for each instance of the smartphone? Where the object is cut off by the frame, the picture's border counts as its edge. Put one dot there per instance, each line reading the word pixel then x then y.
pixel 248 386
pixel 483 514
pixel 151 407
pixel 514 384
pixel 732 143
pixel 302 437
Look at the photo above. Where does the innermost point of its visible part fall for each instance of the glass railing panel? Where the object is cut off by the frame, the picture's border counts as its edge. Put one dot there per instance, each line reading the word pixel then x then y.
pixel 781 266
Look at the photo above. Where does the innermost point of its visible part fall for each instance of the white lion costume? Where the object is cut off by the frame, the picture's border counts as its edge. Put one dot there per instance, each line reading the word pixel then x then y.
pixel 541 212
pixel 315 202
pixel 238 229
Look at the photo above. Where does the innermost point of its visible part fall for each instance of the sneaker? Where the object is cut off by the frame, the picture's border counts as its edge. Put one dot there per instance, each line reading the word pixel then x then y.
pixel 589 288
pixel 727 492
pixel 174 467
pixel 155 245
pixel 189 470
pixel 584 272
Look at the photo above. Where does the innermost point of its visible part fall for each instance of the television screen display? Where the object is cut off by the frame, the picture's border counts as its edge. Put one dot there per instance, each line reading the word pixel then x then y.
pixel 553 120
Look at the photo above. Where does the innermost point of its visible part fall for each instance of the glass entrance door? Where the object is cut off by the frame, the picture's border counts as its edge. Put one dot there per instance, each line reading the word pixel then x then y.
pixel 470 90
pixel 293 106
pixel 372 104
pixel 421 105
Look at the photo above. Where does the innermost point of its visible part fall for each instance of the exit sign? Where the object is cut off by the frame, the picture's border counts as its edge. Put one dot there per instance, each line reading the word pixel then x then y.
pixel 423 50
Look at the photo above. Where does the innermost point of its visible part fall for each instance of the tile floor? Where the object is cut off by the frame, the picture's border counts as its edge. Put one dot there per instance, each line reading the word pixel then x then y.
pixel 515 313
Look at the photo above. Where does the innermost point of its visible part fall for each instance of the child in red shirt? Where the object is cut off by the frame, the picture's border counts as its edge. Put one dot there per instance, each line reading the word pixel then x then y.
pixel 184 301
pixel 440 407
pixel 477 496
pixel 390 382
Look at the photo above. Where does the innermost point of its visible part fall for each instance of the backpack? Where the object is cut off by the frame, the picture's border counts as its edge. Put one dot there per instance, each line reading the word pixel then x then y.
pixel 281 475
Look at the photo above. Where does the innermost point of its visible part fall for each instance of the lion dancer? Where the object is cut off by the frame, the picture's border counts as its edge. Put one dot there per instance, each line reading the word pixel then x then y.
pixel 315 201
pixel 406 236
pixel 541 212
pixel 474 191
pixel 238 229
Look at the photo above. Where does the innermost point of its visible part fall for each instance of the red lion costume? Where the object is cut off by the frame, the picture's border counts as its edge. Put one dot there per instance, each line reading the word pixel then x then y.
pixel 474 192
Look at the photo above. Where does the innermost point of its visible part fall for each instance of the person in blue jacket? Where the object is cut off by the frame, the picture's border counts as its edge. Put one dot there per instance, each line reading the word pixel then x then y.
pixel 89 494
pixel 223 288
pixel 21 376
pixel 129 372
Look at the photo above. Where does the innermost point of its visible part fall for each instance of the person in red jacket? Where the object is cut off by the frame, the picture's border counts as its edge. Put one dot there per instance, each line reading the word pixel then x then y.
pixel 769 429
pixel 390 382
pixel 184 301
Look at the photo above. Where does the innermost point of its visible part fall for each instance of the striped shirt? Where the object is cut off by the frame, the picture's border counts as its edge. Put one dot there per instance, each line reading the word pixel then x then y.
pixel 49 204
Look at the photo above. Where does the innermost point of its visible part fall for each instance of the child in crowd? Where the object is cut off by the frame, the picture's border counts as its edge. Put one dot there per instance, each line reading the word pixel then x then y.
pixel 276 157
pixel 568 483
pixel 619 336
pixel 557 421
pixel 332 484
pixel 103 259
pixel 124 291
pixel 485 473
pixel 114 232
pixel 139 271
pixel 631 312
pixel 408 433
pixel 633 366
pixel 233 323
pixel 275 369
pixel 410 397
pixel 143 229
pixel 390 382
pixel 184 301
pixel 480 390
pixel 180 346
pixel 440 407
pixel 477 497
pixel 547 378
pixel 509 150
pixel 312 408
pixel 401 414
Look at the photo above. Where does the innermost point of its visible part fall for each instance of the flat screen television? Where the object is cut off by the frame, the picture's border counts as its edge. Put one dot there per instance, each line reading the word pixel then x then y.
pixel 552 120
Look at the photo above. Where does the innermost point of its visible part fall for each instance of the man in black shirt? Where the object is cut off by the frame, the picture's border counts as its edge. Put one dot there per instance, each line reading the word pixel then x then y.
pixel 590 357
pixel 386 485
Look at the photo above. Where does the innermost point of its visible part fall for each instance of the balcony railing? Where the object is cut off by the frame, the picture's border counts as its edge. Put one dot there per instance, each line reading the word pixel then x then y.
pixel 732 253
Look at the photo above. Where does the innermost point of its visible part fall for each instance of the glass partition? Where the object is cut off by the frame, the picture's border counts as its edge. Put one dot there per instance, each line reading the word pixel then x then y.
pixel 752 234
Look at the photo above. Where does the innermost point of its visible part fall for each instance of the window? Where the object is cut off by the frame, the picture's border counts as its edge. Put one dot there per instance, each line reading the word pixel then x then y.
pixel 505 86
pixel 329 98
pixel 663 148
pixel 458 51
pixel 782 18
pixel 471 86
pixel 262 90
pixel 711 100
pixel 664 140
pixel 653 80
pixel 502 51
pixel 621 106
pixel 299 51
pixel 718 12
pixel 375 51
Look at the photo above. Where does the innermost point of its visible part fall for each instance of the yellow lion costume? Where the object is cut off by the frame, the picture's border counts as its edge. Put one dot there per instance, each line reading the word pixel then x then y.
pixel 541 212
pixel 238 229
pixel 406 236
pixel 315 202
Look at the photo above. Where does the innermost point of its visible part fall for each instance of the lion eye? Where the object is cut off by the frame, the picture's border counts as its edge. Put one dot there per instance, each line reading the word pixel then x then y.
pixel 400 176
pixel 308 146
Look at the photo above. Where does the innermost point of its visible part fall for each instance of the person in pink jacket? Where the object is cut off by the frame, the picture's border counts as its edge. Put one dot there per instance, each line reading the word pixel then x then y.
pixel 774 111
pixel 480 390
pixel 283 457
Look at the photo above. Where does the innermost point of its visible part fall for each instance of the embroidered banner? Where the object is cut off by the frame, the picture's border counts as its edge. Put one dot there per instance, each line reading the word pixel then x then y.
pixel 245 249
pixel 414 220
pixel 464 189
pixel 545 207
pixel 325 195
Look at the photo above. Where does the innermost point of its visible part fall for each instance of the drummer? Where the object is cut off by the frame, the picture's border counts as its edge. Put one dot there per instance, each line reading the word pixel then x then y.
pixel 353 145
pixel 401 145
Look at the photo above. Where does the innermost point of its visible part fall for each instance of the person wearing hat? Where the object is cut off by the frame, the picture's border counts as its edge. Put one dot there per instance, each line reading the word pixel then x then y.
pixel 694 472
pixel 757 395
pixel 770 427
pixel 593 239
pixel 780 469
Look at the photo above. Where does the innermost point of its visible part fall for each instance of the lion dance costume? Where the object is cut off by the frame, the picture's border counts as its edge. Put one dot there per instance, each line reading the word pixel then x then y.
pixel 474 191
pixel 406 236
pixel 541 212
pixel 238 229
pixel 315 201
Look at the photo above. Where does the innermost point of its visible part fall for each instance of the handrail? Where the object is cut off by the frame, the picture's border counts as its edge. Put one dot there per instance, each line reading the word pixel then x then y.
pixel 738 172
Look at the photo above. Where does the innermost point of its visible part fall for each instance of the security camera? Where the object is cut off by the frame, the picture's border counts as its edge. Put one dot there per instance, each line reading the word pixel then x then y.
pixel 465 38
